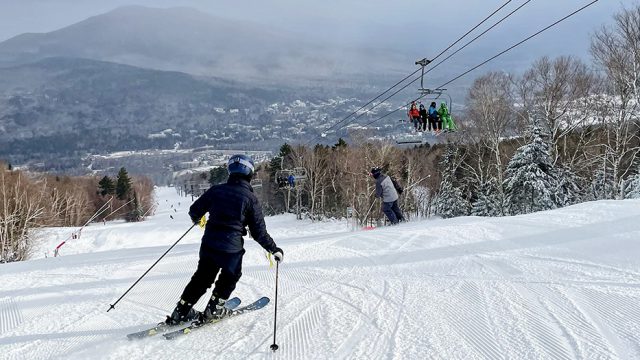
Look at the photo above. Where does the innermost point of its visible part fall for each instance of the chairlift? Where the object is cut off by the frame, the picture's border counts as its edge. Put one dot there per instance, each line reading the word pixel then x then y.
pixel 290 177
pixel 282 177
pixel 256 183
pixel 409 139
pixel 432 92
pixel 300 173
pixel 435 94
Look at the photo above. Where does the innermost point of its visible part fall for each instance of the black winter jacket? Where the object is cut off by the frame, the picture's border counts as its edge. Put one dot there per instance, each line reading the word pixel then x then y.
pixel 231 207
pixel 423 114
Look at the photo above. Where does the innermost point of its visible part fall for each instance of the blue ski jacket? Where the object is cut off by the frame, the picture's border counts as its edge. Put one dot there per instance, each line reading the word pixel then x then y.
pixel 433 112
pixel 232 207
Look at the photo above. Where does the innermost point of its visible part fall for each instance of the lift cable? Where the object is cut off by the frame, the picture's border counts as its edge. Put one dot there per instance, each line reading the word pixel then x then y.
pixel 490 59
pixel 419 77
pixel 413 73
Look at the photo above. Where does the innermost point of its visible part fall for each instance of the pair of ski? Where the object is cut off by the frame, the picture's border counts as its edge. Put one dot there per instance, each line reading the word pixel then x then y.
pixel 169 332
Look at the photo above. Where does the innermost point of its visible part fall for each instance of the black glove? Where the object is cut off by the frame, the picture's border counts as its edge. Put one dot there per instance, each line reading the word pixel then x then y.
pixel 193 218
pixel 278 254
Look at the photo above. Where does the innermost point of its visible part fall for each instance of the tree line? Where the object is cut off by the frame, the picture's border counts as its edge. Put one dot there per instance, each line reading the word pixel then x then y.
pixel 29 201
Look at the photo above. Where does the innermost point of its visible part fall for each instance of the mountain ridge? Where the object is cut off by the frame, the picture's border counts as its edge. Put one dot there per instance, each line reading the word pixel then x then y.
pixel 187 40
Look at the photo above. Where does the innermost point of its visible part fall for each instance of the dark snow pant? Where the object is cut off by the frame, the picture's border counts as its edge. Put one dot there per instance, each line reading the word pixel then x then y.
pixel 416 122
pixel 393 212
pixel 424 124
pixel 211 262
pixel 433 124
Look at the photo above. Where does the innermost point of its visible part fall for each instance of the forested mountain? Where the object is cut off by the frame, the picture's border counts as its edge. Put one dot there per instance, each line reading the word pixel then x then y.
pixel 187 40
pixel 107 106
pixel 59 110
pixel 143 78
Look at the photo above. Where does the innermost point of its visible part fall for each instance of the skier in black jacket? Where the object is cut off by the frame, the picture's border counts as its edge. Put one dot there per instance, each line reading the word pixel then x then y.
pixel 231 207
pixel 424 116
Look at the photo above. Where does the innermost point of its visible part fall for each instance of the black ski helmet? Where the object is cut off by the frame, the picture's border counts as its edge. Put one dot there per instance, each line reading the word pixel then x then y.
pixel 375 171
pixel 240 164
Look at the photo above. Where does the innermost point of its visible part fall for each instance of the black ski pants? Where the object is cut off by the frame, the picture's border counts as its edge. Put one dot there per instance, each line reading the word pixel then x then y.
pixel 212 262
pixel 393 212
pixel 434 123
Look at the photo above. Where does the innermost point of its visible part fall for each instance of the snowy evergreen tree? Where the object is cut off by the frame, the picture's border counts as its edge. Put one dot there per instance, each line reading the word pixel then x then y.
pixel 530 182
pixel 568 190
pixel 602 185
pixel 135 212
pixel 450 202
pixel 632 186
pixel 489 202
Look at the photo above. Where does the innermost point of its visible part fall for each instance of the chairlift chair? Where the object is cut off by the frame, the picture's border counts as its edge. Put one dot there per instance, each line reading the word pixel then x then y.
pixel 300 173
pixel 256 183
pixel 281 178
pixel 429 93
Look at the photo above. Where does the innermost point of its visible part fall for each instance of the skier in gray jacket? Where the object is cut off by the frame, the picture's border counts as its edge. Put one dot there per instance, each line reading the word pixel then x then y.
pixel 389 195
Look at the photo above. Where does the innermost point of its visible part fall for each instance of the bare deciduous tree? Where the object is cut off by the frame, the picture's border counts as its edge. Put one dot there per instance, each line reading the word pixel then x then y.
pixel 22 205
pixel 314 161
pixel 616 49
pixel 491 117
pixel 556 92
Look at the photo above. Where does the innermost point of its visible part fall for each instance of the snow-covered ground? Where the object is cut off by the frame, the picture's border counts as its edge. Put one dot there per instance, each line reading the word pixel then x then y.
pixel 562 284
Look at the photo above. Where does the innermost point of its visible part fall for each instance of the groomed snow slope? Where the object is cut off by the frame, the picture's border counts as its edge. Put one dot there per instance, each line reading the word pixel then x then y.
pixel 562 284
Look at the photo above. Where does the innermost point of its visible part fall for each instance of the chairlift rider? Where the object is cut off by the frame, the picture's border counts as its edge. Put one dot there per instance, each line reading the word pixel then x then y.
pixel 434 119
pixel 424 116
pixel 447 121
pixel 414 115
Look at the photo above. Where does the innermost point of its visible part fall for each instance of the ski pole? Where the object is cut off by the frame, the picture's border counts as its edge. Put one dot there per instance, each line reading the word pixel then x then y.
pixel 274 346
pixel 113 306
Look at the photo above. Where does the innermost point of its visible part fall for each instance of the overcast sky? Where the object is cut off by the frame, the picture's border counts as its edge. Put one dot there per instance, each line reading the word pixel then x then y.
pixel 413 25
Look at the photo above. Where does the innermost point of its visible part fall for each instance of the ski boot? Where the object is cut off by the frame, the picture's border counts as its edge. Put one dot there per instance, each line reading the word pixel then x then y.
pixel 215 309
pixel 183 312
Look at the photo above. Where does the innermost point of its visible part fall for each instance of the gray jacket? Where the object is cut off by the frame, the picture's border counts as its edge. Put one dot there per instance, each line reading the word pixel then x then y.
pixel 385 189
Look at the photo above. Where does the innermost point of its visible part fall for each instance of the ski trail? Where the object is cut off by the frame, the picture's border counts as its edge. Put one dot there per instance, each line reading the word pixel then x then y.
pixel 539 321
pixel 472 325
pixel 464 288
pixel 303 335
pixel 10 314
pixel 581 336
pixel 401 318
pixel 76 331
pixel 386 314
pixel 617 272
pixel 616 318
